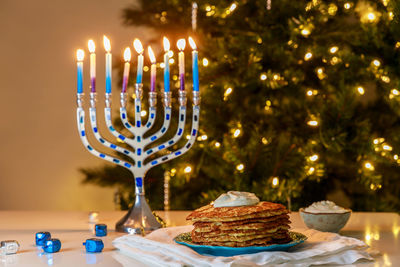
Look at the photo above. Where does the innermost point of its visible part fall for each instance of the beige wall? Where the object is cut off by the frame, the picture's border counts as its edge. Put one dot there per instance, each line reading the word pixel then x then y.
pixel 40 148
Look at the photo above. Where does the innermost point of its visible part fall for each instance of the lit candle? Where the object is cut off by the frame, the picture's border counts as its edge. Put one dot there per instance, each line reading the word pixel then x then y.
pixel 195 65
pixel 92 48
pixel 79 57
pixel 181 46
pixel 166 63
pixel 139 49
pixel 107 47
pixel 152 70
pixel 127 58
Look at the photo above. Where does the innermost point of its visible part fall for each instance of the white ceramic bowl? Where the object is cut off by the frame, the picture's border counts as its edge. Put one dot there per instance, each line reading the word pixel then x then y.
pixel 325 222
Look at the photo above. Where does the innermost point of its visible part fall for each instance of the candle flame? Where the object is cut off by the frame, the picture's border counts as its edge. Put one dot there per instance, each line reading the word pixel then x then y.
pixel 127 54
pixel 91 46
pixel 107 44
pixel 138 46
pixel 181 44
pixel 166 44
pixel 192 43
pixel 151 55
pixel 80 54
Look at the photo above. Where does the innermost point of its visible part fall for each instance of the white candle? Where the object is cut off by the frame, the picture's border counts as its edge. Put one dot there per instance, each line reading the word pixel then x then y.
pixel 127 58
pixel 152 70
pixel 181 46
pixel 92 48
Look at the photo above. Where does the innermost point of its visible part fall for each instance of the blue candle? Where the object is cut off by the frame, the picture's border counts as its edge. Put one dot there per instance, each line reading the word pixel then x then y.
pixel 139 49
pixel 79 56
pixel 166 65
pixel 107 47
pixel 195 65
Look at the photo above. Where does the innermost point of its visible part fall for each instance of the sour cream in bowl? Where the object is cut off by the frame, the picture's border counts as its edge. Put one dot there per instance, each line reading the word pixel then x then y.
pixel 325 216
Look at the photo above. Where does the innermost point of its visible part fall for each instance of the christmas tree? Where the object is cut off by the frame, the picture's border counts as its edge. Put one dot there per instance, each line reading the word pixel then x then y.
pixel 300 102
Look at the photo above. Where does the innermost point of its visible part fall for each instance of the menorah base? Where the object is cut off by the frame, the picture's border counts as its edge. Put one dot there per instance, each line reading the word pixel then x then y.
pixel 139 219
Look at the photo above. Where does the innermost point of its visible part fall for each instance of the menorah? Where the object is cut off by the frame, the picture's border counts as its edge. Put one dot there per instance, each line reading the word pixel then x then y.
pixel 140 218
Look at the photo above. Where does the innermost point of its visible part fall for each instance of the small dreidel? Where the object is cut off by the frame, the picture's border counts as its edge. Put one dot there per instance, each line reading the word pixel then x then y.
pixel 8 247
pixel 41 238
pixel 52 245
pixel 100 229
pixel 94 245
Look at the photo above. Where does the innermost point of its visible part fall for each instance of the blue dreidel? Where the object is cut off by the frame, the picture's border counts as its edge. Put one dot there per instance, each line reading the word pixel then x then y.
pixel 93 245
pixel 100 229
pixel 52 245
pixel 42 237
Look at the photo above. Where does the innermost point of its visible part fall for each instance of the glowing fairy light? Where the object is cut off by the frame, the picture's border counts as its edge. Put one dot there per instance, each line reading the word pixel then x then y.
pixel 376 141
pixel 395 157
pixel 227 92
pixel 309 92
pixel 371 16
pixel 236 133
pixel 263 77
pixel 264 141
pixel 312 123
pixel 143 113
pixel 395 92
pixel 387 148
pixel 376 63
pixel 204 137
pixel 217 144
pixel 369 166
pixel 308 56
pixel 188 137
pixel 311 170
pixel 240 167
pixel 187 169
pixel 275 182
pixel 232 7
pixel 205 62
pixel 305 32
pixel 360 90
pixel 314 157
pixel 333 49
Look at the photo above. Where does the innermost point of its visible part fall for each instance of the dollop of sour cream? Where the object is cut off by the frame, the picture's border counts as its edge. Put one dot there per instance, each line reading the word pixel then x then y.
pixel 325 206
pixel 236 198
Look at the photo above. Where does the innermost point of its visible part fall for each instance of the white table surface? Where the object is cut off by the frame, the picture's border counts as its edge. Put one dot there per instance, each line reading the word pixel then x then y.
pixel 379 230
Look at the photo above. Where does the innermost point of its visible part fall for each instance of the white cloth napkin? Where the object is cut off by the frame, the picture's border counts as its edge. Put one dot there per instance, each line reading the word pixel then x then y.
pixel 159 249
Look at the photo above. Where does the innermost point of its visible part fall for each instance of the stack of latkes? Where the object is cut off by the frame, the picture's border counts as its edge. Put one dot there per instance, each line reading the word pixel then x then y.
pixel 262 224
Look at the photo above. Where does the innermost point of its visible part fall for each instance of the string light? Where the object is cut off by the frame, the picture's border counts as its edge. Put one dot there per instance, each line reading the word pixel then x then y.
pixel 376 62
pixel 275 182
pixel 307 56
pixel 143 113
pixel 232 7
pixel 240 167
pixel 172 61
pixel 314 157
pixel 387 147
pixel 162 65
pixel 309 92
pixel 170 53
pixel 311 170
pixel 217 144
pixel 312 123
pixel 371 16
pixel 188 137
pixel 369 166
pixel 264 140
pixel 236 133
pixel 263 77
pixel 360 90
pixel 188 169
pixel 395 92
pixel 347 5
pixel 205 62
pixel 173 172
pixel 204 137
pixel 305 32
pixel 333 49
pixel 385 79
pixel 227 92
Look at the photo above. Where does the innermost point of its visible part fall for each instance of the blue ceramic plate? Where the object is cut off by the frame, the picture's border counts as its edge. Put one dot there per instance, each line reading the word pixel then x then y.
pixel 186 240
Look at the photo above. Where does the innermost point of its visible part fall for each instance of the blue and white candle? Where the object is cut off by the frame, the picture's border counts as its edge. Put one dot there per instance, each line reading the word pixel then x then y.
pixel 107 47
pixel 127 58
pixel 139 49
pixel 181 46
pixel 92 48
pixel 166 64
pixel 195 65
pixel 79 57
